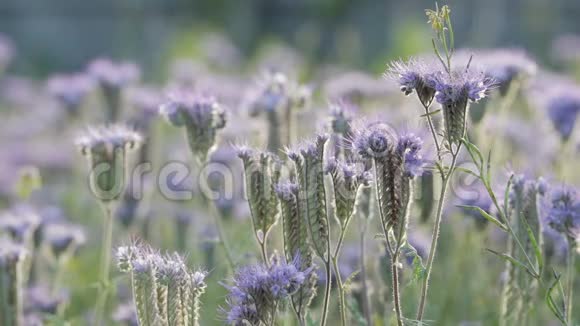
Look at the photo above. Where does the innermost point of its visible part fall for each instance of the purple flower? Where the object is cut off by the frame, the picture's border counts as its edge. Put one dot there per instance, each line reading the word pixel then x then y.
pixel 257 290
pixel 416 76
pixel 563 212
pixel 113 75
pixel 374 140
pixel 70 90
pixel 409 146
pixel 563 106
pixel 462 87
pixel 501 65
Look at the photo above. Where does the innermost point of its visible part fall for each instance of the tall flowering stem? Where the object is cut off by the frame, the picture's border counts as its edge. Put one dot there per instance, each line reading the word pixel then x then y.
pixel 564 216
pixel 396 160
pixel 165 290
pixel 453 89
pixel 108 150
pixel 346 183
pixel 202 117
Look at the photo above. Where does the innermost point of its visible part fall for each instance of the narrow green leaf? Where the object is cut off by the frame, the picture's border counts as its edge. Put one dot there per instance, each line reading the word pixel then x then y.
pixel 468 171
pixel 514 261
pixel 430 113
pixel 485 215
pixel 473 152
pixel 550 301
pixel 537 249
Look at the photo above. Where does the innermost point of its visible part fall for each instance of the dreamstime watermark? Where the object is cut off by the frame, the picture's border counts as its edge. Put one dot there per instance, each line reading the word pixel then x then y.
pixel 178 181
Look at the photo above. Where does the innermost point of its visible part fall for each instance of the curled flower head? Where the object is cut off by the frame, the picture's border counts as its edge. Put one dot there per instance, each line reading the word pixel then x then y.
pixel 415 76
pixel 201 115
pixel 374 140
pixel 563 211
pixel 70 90
pixel 107 149
pixel 409 146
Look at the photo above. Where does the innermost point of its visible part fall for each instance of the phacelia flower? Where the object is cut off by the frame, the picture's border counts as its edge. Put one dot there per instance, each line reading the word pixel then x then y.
pixel 409 146
pixel 415 76
pixel 563 107
pixel 70 91
pixel 396 160
pixel 257 290
pixel 20 223
pixel 501 65
pixel 375 140
pixel 113 77
pixel 346 182
pixel 454 92
pixel 108 149
pixel 63 237
pixel 201 115
pixel 563 212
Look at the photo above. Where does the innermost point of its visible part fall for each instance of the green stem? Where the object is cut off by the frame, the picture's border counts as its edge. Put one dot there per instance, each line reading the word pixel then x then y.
pixel 264 251
pixel 396 293
pixel 339 284
pixel 218 221
pixel 326 293
pixel 221 233
pixel 435 237
pixel 432 128
pixel 571 268
pixel 100 309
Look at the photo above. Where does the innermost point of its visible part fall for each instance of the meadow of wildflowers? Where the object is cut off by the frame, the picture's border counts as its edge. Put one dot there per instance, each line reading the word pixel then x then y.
pixel 441 192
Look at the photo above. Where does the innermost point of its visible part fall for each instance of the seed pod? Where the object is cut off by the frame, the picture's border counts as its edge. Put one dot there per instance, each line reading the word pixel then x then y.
pixel 262 171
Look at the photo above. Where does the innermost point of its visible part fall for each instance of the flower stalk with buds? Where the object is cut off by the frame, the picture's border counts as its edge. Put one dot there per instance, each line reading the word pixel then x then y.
pixel 165 290
pixel 262 173
pixel 202 117
pixel 108 150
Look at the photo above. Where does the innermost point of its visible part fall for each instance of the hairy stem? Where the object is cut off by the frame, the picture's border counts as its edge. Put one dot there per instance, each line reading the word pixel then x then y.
pixel 396 293
pixel 363 275
pixel 341 294
pixel 435 237
pixel 218 221
pixel 326 292
pixel 100 309
pixel 570 287
pixel 221 233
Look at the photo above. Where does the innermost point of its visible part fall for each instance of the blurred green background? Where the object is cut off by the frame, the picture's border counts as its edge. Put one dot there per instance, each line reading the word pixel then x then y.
pixel 53 35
